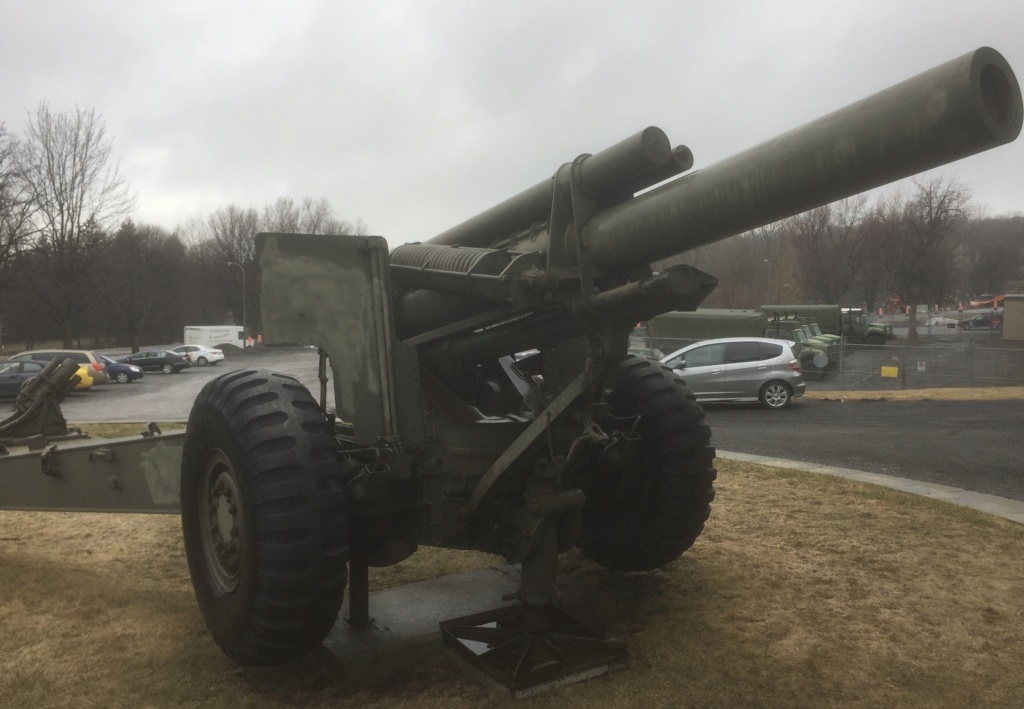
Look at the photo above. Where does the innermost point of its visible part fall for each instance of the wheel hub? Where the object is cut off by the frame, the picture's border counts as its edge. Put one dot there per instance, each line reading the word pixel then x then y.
pixel 222 521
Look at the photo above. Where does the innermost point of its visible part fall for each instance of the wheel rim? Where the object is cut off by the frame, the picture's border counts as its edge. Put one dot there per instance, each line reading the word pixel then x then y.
pixel 776 395
pixel 202 361
pixel 122 377
pixel 167 369
pixel 221 521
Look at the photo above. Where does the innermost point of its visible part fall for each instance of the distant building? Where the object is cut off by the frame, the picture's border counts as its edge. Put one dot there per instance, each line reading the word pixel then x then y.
pixel 1013 316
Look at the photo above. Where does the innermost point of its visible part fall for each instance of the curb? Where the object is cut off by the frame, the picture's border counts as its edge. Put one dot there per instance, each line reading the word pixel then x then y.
pixel 1006 508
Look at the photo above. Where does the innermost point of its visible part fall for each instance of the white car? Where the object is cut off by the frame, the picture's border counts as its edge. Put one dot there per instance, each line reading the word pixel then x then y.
pixel 200 355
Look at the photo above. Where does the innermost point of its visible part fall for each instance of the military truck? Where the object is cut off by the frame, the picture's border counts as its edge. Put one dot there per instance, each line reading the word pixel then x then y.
pixel 851 323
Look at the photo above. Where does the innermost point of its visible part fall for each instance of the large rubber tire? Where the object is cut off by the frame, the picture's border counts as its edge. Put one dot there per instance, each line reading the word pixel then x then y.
pixel 874 340
pixel 647 509
pixel 260 476
pixel 775 395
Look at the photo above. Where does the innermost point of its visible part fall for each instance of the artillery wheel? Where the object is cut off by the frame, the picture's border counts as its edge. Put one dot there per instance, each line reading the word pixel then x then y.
pixel 264 516
pixel 644 510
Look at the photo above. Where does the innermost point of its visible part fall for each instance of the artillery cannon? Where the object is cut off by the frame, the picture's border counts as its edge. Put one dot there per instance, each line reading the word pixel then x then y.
pixel 483 396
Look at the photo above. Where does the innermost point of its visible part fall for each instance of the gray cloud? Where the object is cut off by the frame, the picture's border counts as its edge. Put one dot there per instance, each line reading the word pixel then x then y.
pixel 416 115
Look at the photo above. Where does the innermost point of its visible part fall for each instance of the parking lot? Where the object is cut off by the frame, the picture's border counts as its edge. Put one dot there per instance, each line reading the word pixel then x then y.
pixel 169 397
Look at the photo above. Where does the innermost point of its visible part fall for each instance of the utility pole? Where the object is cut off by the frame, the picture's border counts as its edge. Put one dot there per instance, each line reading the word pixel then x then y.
pixel 240 268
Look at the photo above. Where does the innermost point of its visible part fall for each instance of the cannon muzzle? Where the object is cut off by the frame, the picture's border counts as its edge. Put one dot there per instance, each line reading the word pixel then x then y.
pixel 959 108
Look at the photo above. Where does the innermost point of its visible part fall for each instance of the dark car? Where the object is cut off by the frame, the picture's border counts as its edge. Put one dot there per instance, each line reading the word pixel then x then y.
pixel 985 321
pixel 158 361
pixel 121 372
pixel 15 373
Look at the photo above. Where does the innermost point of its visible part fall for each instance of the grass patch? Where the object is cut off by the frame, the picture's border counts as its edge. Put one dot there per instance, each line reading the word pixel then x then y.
pixel 805 591
pixel 119 430
pixel 938 394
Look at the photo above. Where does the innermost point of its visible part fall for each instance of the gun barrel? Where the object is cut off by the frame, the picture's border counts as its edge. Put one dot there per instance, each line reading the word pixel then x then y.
pixel 954 110
pixel 603 173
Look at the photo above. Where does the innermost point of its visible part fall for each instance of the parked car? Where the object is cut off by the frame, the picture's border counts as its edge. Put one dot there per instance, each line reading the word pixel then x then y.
pixel 14 373
pixel 198 354
pixel 120 372
pixel 984 321
pixel 87 357
pixel 740 369
pixel 158 361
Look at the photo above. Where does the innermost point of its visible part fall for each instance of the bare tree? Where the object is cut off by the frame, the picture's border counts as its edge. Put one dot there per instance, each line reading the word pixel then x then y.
pixel 918 238
pixel 78 192
pixel 312 216
pixel 994 254
pixel 831 247
pixel 16 207
pixel 15 215
pixel 752 269
pixel 232 239
pixel 143 291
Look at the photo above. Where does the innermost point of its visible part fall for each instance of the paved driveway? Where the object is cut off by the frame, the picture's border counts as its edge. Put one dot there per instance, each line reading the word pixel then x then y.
pixel 975 445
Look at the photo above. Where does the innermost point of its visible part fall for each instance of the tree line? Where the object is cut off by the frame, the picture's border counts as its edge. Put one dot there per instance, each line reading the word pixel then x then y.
pixel 75 267
pixel 927 245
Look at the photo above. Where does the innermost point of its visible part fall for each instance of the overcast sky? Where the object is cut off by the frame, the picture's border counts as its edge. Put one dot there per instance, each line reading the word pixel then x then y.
pixel 416 115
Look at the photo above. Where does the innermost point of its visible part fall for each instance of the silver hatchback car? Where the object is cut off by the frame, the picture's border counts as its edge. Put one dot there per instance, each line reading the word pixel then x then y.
pixel 740 369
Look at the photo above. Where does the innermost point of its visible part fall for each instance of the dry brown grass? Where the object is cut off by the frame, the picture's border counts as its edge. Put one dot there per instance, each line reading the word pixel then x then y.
pixel 118 430
pixel 805 591
pixel 944 394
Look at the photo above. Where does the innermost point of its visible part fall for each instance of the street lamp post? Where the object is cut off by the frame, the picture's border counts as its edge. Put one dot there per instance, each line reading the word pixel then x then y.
pixel 769 280
pixel 240 268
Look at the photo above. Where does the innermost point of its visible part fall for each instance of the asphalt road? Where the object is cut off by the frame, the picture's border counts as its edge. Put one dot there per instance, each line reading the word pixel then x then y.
pixel 974 445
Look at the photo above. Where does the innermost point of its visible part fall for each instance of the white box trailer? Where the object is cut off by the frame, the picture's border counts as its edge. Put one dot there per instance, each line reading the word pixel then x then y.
pixel 214 335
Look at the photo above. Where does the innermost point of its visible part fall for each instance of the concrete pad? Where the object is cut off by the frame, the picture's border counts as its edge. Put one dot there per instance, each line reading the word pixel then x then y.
pixel 403 629
pixel 404 621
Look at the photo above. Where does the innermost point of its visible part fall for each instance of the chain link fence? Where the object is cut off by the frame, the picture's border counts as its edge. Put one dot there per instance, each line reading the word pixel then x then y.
pixel 966 360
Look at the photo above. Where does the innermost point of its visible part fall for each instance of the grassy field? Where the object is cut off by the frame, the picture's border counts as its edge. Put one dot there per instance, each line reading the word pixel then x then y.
pixel 805 591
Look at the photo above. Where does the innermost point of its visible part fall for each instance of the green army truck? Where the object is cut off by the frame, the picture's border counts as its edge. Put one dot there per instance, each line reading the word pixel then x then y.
pixel 787 327
pixel 851 323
